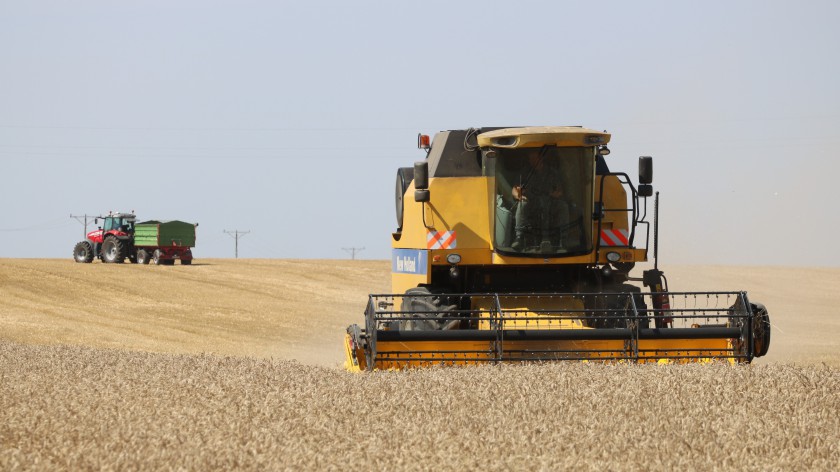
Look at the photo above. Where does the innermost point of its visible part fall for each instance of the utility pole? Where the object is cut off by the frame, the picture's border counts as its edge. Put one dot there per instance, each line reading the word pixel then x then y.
pixel 352 251
pixel 236 234
pixel 85 222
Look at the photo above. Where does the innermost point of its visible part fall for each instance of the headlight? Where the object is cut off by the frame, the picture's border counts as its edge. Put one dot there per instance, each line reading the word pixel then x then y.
pixel 613 256
pixel 453 258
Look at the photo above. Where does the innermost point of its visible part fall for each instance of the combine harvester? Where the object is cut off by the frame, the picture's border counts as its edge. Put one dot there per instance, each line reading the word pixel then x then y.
pixel 516 245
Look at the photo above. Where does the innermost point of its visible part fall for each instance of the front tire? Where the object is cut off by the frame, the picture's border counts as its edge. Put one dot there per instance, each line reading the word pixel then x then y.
pixel 427 311
pixel 83 252
pixel 113 251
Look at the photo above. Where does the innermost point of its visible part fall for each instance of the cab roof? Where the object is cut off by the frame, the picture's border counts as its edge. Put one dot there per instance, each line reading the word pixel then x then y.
pixel 538 136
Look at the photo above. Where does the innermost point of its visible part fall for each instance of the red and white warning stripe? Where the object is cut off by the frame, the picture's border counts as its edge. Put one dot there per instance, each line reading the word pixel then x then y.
pixel 615 237
pixel 441 240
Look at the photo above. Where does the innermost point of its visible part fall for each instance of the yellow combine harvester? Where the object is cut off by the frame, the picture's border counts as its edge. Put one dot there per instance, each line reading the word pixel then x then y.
pixel 516 245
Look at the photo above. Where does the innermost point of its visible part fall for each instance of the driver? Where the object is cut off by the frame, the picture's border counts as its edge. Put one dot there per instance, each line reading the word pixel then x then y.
pixel 541 208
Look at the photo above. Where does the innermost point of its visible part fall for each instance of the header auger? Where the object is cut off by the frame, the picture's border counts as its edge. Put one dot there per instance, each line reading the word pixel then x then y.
pixel 516 245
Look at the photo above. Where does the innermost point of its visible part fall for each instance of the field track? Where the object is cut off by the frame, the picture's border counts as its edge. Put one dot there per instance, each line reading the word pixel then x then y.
pixel 233 365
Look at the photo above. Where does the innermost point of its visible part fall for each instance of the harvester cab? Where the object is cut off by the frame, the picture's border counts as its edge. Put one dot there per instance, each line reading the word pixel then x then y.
pixel 517 245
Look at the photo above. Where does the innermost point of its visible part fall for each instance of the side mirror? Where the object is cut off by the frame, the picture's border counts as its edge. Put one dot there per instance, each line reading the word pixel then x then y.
pixel 645 170
pixel 421 181
pixel 421 175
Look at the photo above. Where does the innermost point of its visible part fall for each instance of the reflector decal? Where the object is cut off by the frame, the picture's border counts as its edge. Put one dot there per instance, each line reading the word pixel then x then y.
pixel 441 240
pixel 615 237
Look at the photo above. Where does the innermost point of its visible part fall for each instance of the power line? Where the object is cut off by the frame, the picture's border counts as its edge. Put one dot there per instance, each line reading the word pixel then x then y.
pixel 236 234
pixel 352 251
pixel 85 222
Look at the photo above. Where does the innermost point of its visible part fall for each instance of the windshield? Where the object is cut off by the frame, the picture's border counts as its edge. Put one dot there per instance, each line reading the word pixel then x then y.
pixel 544 200
pixel 120 224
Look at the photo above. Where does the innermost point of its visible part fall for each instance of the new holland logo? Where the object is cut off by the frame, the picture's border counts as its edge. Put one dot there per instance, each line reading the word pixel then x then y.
pixel 615 237
pixel 441 240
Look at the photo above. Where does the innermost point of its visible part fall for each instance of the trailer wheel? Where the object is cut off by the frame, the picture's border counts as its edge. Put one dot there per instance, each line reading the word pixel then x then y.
pixel 113 251
pixel 156 257
pixel 186 262
pixel 142 256
pixel 83 252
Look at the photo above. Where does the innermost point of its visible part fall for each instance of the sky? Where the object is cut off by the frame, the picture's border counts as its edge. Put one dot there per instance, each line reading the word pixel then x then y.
pixel 289 120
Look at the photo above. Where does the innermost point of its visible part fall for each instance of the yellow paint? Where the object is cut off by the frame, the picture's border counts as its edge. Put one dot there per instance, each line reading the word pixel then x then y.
pixel 466 205
pixel 538 136
pixel 353 361
pixel 540 313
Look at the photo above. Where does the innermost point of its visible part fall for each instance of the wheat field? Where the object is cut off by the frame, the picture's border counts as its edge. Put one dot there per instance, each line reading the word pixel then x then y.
pixel 235 365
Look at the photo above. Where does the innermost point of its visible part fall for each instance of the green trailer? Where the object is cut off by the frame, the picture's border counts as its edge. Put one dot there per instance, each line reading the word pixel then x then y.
pixel 162 242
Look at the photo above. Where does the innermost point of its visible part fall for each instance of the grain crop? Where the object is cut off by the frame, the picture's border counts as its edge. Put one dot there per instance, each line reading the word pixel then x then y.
pixel 76 408
pixel 234 365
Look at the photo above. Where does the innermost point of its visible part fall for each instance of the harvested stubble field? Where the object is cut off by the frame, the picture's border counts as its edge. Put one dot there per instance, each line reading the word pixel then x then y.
pixel 106 367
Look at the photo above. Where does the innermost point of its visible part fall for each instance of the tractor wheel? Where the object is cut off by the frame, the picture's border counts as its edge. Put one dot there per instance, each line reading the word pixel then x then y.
pixel 156 257
pixel 83 252
pixel 142 256
pixel 113 251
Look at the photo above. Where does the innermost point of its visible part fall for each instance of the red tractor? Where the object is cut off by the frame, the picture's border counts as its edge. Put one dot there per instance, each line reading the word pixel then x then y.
pixel 112 242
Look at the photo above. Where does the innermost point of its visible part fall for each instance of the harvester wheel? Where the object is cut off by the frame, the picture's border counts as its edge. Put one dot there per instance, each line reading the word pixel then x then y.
pixel 83 252
pixel 113 251
pixel 430 307
pixel 142 256
pixel 615 308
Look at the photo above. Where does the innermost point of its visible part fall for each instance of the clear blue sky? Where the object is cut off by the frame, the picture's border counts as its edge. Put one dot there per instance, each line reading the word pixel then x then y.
pixel 290 119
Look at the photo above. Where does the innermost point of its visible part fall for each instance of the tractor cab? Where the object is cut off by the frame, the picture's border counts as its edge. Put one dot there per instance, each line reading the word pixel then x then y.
pixel 119 223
